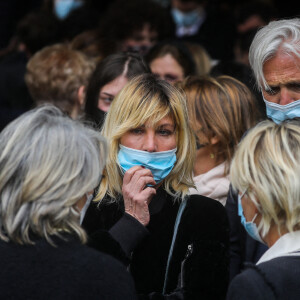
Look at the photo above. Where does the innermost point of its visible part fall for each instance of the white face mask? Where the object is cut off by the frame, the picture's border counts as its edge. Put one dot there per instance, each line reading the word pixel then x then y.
pixel 279 113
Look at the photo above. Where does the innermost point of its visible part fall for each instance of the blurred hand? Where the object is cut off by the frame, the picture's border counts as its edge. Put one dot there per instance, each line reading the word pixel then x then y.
pixel 137 195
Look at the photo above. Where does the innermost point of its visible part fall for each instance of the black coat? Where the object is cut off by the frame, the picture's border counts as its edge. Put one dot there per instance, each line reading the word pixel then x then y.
pixel 68 271
pixel 199 265
pixel 275 279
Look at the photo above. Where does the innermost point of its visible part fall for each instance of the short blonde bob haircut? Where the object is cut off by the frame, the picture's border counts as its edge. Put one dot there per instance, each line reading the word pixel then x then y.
pixel 267 166
pixel 221 107
pixel 48 162
pixel 148 99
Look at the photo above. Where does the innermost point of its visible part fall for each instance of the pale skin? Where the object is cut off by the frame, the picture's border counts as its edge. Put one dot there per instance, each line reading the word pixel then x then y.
pixel 282 74
pixel 206 158
pixel 137 195
pixel 109 91
pixel 167 68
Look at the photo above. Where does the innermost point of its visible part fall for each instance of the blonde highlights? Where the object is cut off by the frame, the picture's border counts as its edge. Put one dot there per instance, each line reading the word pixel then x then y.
pixel 267 166
pixel 148 99
pixel 221 107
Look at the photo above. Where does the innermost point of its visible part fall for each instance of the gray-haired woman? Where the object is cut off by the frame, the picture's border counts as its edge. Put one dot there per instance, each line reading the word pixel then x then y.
pixel 48 164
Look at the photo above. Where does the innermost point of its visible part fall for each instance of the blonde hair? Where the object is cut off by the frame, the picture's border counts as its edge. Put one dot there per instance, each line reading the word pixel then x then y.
pixel 48 162
pixel 221 107
pixel 148 99
pixel 267 166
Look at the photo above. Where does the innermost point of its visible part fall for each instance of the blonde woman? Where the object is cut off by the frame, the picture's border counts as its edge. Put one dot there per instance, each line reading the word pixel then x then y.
pixel 48 164
pixel 175 244
pixel 265 172
pixel 221 110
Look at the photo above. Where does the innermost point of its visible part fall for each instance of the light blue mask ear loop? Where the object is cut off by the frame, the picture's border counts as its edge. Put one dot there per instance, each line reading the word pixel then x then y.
pixel 177 222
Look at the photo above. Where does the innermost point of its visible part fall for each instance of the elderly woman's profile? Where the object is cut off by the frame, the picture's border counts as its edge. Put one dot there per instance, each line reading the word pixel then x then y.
pixel 48 165
pixel 175 245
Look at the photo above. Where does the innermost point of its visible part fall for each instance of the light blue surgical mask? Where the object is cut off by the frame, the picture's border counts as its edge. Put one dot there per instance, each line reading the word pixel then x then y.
pixel 250 227
pixel 279 113
pixel 159 163
pixel 185 18
pixel 62 8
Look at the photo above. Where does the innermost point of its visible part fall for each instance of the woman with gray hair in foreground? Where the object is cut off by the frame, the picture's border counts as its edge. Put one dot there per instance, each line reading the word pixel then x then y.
pixel 266 171
pixel 48 164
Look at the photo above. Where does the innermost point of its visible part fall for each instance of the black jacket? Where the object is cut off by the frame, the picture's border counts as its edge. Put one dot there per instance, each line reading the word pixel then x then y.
pixel 199 265
pixel 275 279
pixel 69 270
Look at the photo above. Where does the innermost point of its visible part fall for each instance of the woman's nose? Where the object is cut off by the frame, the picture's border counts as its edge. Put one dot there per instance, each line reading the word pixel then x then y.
pixel 149 143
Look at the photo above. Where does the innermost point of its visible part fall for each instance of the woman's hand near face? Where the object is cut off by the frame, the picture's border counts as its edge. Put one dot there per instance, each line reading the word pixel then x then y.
pixel 137 195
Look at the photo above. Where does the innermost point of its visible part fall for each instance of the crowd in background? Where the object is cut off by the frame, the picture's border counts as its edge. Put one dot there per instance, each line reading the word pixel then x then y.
pixel 217 34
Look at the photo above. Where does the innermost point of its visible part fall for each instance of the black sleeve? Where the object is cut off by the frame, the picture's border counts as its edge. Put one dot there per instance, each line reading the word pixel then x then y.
pixel 120 240
pixel 237 234
pixel 128 232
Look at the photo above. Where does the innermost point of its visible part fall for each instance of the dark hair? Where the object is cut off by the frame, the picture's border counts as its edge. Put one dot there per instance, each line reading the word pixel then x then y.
pixel 106 71
pixel 37 30
pixel 123 17
pixel 178 50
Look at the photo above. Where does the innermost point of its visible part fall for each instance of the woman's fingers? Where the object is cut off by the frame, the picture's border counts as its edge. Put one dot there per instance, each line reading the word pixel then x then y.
pixel 137 194
pixel 135 172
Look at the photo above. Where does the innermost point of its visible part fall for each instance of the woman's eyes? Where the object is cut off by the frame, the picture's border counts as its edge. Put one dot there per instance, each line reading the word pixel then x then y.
pixel 165 132
pixel 137 130
pixel 162 132
pixel 107 100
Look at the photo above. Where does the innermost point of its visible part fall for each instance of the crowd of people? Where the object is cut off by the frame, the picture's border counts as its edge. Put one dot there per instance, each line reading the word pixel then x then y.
pixel 150 150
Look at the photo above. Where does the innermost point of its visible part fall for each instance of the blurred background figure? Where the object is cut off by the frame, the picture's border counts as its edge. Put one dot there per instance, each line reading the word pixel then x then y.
pixel 75 16
pixel 254 14
pixel 136 25
pixel 265 173
pixel 92 44
pixel 203 22
pixel 33 32
pixel 58 74
pixel 108 79
pixel 48 165
pixel 171 61
pixel 243 73
pixel 221 110
pixel 202 60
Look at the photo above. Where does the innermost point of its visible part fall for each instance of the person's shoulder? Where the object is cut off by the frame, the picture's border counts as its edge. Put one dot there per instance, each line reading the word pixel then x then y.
pixel 103 268
pixel 250 284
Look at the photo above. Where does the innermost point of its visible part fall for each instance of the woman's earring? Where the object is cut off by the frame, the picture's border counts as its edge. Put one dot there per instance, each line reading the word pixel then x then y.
pixel 212 155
